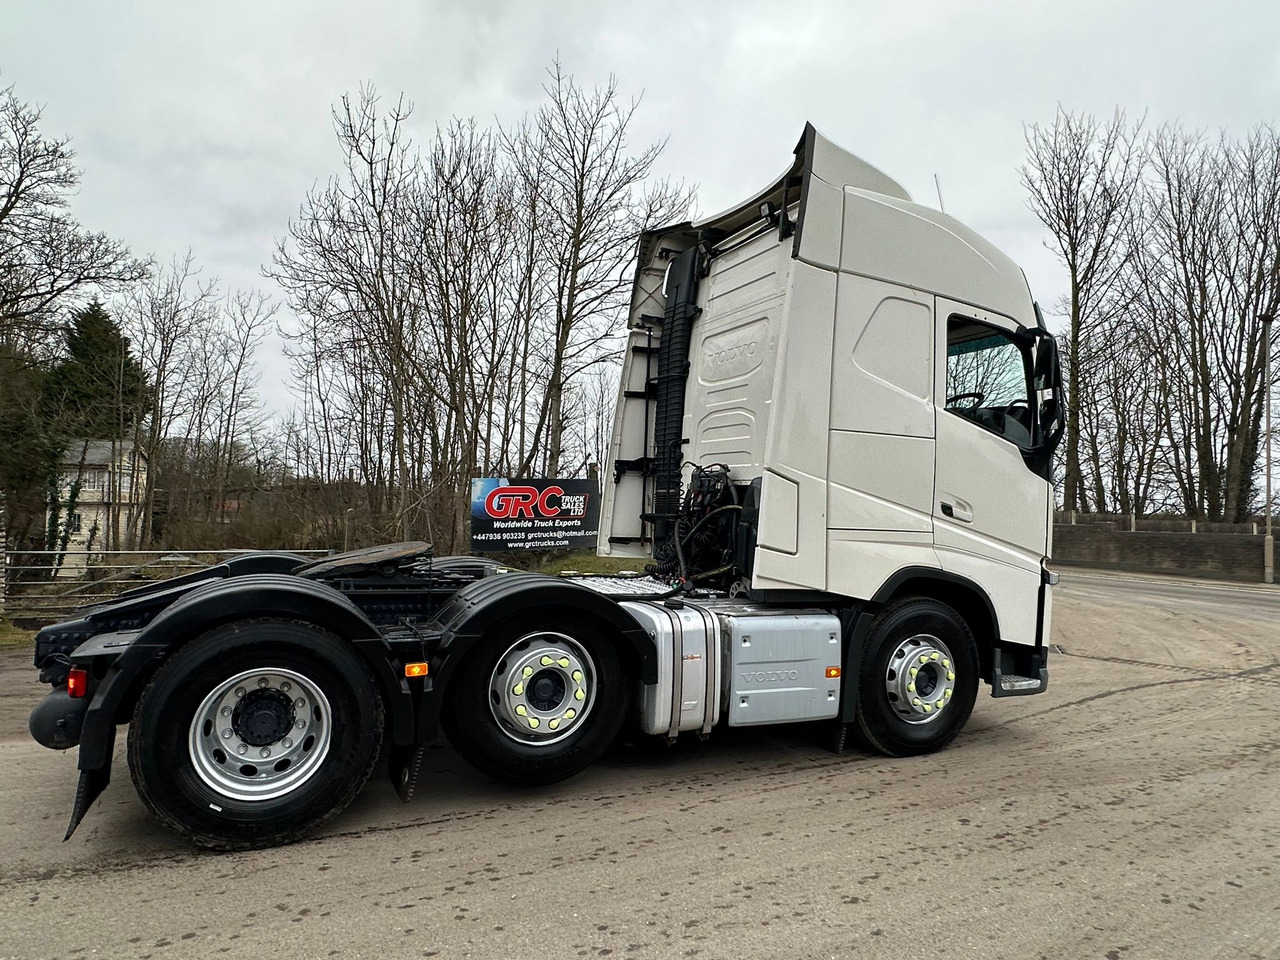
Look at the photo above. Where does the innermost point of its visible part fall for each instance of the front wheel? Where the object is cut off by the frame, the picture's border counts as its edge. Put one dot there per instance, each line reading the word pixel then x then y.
pixel 537 701
pixel 919 678
pixel 255 734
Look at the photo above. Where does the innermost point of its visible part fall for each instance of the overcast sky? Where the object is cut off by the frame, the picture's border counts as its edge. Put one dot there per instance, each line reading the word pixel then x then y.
pixel 203 125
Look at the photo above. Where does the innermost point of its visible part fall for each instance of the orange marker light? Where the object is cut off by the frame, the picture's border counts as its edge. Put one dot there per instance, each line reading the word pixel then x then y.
pixel 833 673
pixel 77 682
pixel 415 669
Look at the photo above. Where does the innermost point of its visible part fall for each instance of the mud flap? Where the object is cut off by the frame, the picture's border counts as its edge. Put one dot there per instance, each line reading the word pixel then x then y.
pixel 404 764
pixel 837 733
pixel 857 626
pixel 90 787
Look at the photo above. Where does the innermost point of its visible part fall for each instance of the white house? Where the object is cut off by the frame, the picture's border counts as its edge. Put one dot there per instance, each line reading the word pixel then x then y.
pixel 104 512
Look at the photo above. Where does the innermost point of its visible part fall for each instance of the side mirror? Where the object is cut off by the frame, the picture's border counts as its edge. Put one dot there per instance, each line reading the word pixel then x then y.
pixel 1047 381
pixel 1050 405
pixel 1047 374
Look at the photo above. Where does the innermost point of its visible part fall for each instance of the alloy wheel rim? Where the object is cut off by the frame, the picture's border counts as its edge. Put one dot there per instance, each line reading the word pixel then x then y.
pixel 542 688
pixel 920 679
pixel 260 734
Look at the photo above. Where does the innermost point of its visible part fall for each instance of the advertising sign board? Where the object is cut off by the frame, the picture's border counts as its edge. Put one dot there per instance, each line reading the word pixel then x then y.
pixel 533 514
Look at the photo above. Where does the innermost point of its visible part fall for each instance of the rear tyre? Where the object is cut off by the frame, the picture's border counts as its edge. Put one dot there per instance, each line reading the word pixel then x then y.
pixel 255 734
pixel 538 700
pixel 919 678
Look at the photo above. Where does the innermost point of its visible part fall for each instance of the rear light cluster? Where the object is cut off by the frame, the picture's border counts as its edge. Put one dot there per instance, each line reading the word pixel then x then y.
pixel 77 682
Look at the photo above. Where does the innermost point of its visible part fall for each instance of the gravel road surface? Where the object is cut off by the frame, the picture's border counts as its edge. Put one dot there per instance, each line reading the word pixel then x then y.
pixel 1133 811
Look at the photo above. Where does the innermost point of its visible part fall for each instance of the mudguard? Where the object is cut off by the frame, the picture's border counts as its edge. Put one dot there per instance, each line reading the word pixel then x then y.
pixel 470 612
pixel 244 565
pixel 859 625
pixel 221 601
pixel 204 607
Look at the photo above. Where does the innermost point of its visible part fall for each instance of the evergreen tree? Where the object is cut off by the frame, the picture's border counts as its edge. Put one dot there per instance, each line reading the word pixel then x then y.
pixel 29 453
pixel 96 391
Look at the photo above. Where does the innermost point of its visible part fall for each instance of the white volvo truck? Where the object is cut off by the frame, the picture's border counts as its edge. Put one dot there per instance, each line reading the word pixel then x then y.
pixel 831 454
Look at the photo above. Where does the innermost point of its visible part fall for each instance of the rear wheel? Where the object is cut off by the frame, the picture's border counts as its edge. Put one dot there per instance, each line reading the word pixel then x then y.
pixel 537 701
pixel 255 734
pixel 919 678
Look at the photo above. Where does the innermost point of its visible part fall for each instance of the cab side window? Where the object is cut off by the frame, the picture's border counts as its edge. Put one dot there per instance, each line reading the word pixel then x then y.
pixel 987 379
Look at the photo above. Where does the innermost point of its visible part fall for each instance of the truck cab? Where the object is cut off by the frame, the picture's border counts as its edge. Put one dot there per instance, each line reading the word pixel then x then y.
pixel 873 375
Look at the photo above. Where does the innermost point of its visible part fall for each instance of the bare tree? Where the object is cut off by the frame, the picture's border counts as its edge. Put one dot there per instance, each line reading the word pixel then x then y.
pixel 168 314
pixel 48 262
pixel 1208 268
pixel 249 317
pixel 346 265
pixel 464 275
pixel 1081 177
pixel 448 301
pixel 594 205
pixel 1172 243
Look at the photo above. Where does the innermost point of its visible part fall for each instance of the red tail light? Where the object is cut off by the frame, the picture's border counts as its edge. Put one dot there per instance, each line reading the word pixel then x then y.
pixel 77 682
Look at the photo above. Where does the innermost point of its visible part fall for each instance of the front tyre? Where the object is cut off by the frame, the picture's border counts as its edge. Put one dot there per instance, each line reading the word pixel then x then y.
pixel 536 701
pixel 919 678
pixel 255 734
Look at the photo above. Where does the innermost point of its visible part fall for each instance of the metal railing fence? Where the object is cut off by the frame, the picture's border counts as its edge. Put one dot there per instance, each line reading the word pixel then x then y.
pixel 44 586
pixel 1134 523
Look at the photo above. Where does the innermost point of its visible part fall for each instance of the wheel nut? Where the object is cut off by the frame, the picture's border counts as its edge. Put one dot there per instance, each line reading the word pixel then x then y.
pixel 527 672
pixel 578 694
pixel 950 675
pixel 226 711
pixel 546 661
pixel 266 751
pixel 570 714
pixel 300 724
pixel 518 689
pixel 242 749
pixel 286 686
pixel 911 688
pixel 564 662
pixel 577 676
pixel 226 734
pixel 299 703
pixel 286 743
pixel 520 710
pixel 264 682
pixel 240 691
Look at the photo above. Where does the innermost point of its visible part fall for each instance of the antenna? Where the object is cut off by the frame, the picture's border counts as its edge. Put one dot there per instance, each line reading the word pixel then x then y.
pixel 941 206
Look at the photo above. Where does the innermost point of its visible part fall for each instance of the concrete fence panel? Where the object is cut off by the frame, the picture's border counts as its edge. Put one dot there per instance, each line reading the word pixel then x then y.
pixel 1220 556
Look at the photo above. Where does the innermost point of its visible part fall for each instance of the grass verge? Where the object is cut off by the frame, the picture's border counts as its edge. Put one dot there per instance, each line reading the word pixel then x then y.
pixel 11 636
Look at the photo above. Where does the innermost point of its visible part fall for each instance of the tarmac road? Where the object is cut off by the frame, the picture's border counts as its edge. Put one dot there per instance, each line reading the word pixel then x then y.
pixel 1133 811
pixel 1212 594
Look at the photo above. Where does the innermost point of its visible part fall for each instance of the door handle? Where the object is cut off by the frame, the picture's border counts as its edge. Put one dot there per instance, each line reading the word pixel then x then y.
pixel 959 510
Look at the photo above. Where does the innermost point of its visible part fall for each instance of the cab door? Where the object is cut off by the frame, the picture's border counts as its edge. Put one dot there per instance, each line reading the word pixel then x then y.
pixel 990 511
